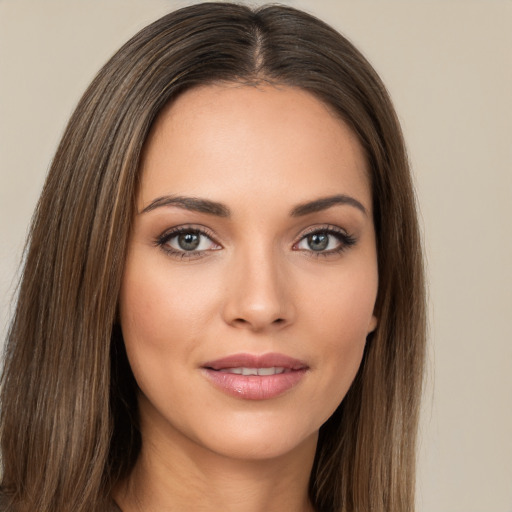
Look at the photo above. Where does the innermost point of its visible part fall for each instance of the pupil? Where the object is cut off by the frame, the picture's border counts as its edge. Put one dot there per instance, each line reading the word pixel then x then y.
pixel 188 241
pixel 318 241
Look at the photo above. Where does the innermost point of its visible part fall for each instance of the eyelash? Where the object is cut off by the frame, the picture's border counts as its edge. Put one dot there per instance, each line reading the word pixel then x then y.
pixel 345 241
pixel 163 240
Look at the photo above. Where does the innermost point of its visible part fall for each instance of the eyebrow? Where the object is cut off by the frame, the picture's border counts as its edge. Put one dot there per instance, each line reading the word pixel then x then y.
pixel 326 202
pixel 190 203
pixel 220 210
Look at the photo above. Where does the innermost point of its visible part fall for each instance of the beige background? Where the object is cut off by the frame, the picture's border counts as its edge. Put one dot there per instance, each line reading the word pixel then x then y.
pixel 448 65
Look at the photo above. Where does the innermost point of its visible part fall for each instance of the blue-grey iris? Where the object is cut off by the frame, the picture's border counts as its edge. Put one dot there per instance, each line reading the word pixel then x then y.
pixel 189 241
pixel 318 241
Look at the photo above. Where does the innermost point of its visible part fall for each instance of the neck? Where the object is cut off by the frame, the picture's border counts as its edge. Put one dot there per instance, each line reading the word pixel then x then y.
pixel 177 474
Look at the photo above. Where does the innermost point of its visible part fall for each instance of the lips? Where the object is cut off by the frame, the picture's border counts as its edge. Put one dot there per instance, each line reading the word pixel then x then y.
pixel 273 370
pixel 255 377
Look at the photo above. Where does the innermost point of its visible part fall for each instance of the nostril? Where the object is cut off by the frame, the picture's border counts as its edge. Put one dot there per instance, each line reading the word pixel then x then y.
pixel 241 322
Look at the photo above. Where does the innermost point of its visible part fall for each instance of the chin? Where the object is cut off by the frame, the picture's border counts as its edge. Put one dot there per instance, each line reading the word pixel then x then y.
pixel 260 444
pixel 243 434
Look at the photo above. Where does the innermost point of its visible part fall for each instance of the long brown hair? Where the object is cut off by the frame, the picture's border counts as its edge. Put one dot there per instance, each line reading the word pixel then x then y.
pixel 69 421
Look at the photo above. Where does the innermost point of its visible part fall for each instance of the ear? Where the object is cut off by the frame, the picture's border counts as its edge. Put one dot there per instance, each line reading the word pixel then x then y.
pixel 373 324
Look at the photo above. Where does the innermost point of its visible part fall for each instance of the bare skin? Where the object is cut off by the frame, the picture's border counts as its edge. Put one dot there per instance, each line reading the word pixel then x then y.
pixel 254 239
pixel 193 480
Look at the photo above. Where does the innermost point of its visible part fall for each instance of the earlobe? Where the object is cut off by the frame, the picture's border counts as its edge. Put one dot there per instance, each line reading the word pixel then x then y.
pixel 373 324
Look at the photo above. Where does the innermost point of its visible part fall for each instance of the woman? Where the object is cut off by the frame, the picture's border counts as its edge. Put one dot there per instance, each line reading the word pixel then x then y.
pixel 222 305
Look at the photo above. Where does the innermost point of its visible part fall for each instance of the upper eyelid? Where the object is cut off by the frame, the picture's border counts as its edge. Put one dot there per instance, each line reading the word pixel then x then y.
pixel 176 230
pixel 321 228
pixel 346 237
pixel 209 233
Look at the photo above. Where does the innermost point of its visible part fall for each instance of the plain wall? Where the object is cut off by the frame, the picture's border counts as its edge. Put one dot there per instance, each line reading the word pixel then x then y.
pixel 448 66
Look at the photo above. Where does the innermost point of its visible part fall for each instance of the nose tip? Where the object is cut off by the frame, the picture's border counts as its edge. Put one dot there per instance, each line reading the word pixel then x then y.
pixel 258 298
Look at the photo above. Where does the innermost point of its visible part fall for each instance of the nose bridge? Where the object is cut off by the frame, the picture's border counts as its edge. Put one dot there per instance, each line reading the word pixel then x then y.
pixel 258 297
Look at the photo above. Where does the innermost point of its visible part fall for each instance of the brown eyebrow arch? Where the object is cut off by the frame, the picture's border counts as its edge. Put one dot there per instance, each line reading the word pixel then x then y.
pixel 221 210
pixel 189 203
pixel 326 202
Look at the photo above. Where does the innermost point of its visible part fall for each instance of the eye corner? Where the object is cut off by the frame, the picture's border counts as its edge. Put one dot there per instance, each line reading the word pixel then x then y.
pixel 197 248
pixel 333 241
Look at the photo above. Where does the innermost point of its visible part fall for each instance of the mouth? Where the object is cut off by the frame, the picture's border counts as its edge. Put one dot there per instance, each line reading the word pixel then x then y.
pixel 273 370
pixel 255 377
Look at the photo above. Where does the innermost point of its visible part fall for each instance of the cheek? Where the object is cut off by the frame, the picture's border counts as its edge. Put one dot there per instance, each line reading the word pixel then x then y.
pixel 341 305
pixel 162 315
pixel 156 303
pixel 342 316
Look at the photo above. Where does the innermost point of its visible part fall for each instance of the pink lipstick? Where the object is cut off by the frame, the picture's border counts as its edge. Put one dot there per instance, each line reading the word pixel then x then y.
pixel 255 377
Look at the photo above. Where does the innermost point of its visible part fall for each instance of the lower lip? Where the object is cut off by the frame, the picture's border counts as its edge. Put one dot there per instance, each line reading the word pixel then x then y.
pixel 255 387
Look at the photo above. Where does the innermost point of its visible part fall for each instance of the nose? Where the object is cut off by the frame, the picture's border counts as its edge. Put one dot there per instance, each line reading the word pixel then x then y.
pixel 259 294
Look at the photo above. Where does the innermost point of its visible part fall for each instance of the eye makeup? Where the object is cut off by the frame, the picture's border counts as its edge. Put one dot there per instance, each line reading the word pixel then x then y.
pixel 328 240
pixel 192 241
pixel 186 242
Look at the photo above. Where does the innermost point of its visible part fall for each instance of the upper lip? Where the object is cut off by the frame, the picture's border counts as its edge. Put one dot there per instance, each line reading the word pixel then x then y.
pixel 268 360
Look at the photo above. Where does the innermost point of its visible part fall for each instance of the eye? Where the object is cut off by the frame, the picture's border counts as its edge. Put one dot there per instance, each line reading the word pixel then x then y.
pixel 325 241
pixel 187 242
pixel 190 241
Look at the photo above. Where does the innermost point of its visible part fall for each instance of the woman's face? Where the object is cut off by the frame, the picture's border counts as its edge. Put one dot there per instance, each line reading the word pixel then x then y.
pixel 251 273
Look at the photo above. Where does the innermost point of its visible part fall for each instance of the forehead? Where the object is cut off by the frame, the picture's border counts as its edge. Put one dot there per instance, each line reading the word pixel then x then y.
pixel 217 140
